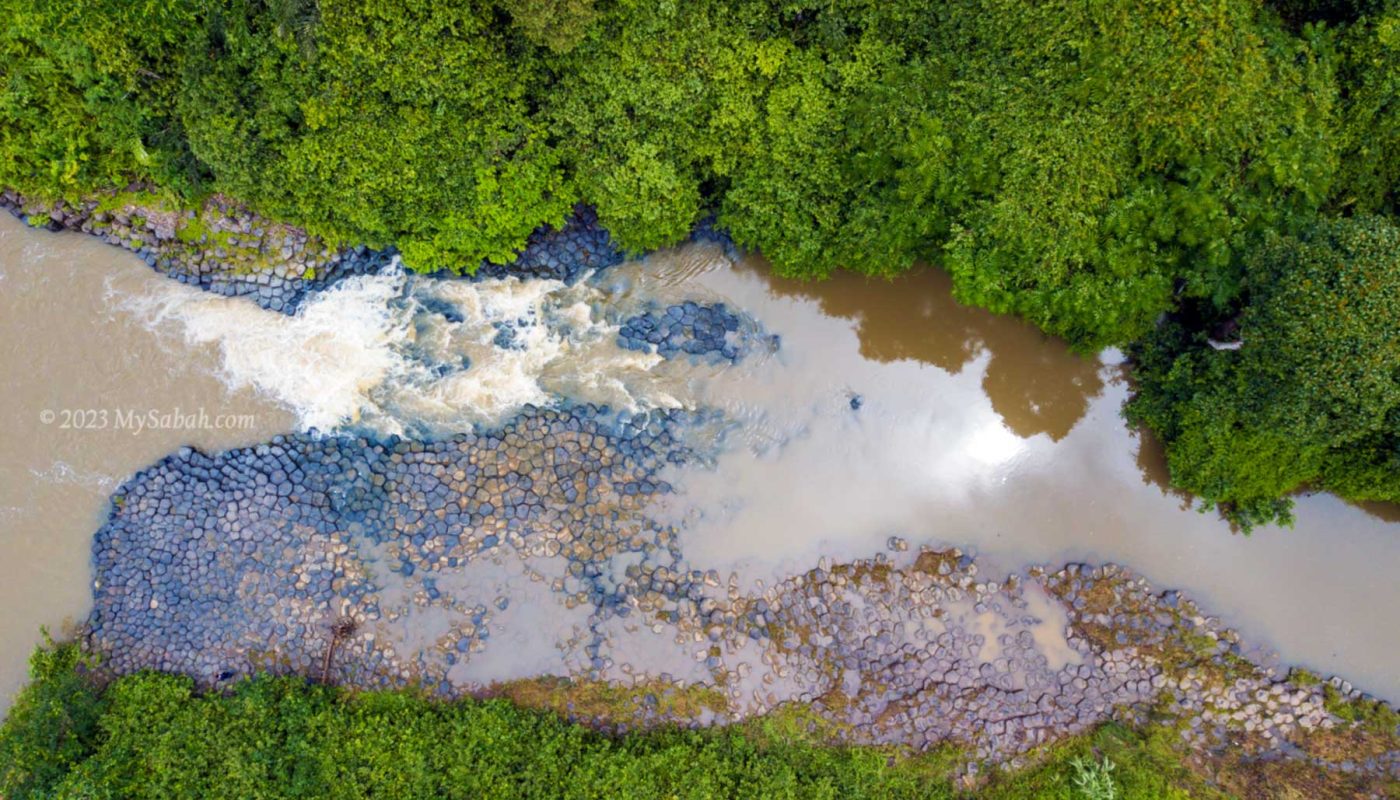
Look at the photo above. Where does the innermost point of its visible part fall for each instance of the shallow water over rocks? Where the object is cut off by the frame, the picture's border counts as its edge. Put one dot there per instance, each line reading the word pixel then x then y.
pixel 845 418
pixel 68 347
pixel 976 431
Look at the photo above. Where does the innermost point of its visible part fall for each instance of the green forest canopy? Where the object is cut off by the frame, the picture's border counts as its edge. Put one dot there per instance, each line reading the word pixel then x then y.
pixel 1090 165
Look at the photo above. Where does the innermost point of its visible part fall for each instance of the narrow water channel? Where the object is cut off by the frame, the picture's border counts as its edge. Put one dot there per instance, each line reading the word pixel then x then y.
pixel 861 410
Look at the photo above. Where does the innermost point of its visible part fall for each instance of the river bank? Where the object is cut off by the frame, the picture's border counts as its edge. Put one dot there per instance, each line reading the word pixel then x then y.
pixel 226 248
pixel 428 563
pixel 554 542
pixel 319 741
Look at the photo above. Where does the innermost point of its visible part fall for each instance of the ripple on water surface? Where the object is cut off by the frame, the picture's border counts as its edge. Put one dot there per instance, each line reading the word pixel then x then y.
pixel 859 410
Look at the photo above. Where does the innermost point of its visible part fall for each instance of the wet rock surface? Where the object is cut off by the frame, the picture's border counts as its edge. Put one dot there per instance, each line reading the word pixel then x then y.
pixel 223 248
pixel 227 249
pixel 566 254
pixel 530 550
pixel 219 565
pixel 694 329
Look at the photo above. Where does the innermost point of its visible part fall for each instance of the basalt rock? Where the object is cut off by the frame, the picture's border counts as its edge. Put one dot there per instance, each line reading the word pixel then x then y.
pixel 532 549
pixel 227 249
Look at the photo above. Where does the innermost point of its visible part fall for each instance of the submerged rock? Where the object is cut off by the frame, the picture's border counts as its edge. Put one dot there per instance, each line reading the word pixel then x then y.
pixel 532 549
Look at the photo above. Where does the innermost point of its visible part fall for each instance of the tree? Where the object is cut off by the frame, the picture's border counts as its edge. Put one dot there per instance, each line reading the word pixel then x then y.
pixel 405 123
pixel 86 101
pixel 1370 132
pixel 1116 153
pixel 556 24
pixel 628 116
pixel 845 168
pixel 1312 397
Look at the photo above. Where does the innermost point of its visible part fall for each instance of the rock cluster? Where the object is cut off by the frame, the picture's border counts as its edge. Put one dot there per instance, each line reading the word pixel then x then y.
pixel 534 549
pixel 581 246
pixel 227 249
pixel 918 656
pixel 223 247
pixel 217 565
pixel 1224 700
pixel 686 328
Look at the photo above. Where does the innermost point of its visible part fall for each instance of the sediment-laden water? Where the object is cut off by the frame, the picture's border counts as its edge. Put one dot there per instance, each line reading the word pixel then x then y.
pixel 92 393
pixel 835 419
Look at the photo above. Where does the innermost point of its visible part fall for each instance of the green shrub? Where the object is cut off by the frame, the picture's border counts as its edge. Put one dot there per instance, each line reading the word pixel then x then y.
pixel 401 123
pixel 1311 399
pixel 87 96
pixel 52 726
pixel 152 736
pixel 1069 161
pixel 1118 154
pixel 1374 716
pixel 1094 779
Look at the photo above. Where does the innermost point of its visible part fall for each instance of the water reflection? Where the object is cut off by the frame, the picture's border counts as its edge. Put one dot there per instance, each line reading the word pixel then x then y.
pixel 1035 383
pixel 1388 512
pixel 1152 463
pixel 942 451
pixel 946 454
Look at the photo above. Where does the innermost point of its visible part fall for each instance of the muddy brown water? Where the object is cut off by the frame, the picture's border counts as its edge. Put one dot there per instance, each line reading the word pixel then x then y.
pixel 67 348
pixel 977 430
pixel 971 429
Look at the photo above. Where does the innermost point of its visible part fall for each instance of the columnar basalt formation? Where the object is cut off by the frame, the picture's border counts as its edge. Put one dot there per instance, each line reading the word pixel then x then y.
pixel 532 550
pixel 228 249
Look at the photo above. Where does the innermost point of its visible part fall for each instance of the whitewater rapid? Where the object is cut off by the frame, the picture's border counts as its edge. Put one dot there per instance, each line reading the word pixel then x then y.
pixel 394 353
pixel 887 412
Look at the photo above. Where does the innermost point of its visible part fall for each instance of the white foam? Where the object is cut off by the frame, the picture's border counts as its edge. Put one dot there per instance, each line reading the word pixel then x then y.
pixel 377 351
pixel 322 363
pixel 63 472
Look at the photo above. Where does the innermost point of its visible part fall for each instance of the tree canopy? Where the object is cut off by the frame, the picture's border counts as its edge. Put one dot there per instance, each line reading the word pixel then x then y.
pixel 1090 165
pixel 1311 398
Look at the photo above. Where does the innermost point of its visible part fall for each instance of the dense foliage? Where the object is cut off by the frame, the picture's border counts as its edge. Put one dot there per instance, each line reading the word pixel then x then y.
pixel 1069 161
pixel 152 736
pixel 88 97
pixel 1371 122
pixel 1310 398
pixel 1090 165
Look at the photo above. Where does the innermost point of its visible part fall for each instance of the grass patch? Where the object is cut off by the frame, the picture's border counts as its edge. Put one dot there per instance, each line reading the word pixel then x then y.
pixel 152 735
pixel 608 704
pixel 1372 716
pixel 193 231
pixel 1144 766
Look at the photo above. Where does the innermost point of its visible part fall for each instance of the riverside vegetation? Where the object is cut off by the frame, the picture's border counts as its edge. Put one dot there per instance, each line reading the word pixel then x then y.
pixel 1090 166
pixel 152 735
pixel 1210 185
pixel 149 735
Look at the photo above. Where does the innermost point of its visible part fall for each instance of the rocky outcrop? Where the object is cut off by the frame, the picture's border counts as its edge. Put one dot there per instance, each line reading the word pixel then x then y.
pixel 228 249
pixel 533 550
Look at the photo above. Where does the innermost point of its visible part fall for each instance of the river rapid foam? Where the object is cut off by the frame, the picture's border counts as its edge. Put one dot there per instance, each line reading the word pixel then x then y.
pixel 392 353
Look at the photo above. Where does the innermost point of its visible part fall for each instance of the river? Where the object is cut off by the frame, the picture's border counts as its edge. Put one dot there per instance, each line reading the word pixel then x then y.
pixel 862 410
pixel 69 346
